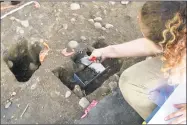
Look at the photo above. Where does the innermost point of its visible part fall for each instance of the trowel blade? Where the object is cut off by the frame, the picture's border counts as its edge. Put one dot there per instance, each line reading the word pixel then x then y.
pixel 85 60
pixel 98 67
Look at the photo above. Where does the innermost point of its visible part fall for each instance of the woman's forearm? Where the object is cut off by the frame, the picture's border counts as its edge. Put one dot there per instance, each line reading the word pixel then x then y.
pixel 138 47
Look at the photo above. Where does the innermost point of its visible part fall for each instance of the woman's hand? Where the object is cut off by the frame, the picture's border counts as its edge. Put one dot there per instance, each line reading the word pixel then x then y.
pixel 98 53
pixel 180 115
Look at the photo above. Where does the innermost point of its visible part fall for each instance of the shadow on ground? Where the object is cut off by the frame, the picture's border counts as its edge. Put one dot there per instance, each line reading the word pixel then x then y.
pixel 113 109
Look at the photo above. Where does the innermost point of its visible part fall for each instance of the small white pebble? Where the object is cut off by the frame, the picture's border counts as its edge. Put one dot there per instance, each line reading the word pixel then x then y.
pixel 96 7
pixel 101 37
pixel 73 20
pixel 83 102
pixel 25 23
pixel 124 2
pixel 18 105
pixel 75 6
pixel 91 21
pixel 107 26
pixel 98 19
pixel 7 105
pixel 73 44
pixel 21 31
pixel 13 94
pixel 65 26
pixel 112 2
pixel 103 28
pixel 97 25
pixel 83 38
pixel 68 94
pixel 149 57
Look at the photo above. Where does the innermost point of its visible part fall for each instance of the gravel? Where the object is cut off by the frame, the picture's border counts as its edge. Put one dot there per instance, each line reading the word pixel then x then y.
pixel 97 19
pixel 32 66
pixel 113 85
pixel 97 25
pixel 91 21
pixel 68 94
pixel 75 6
pixel 83 38
pixel 65 26
pixel 10 64
pixel 7 105
pixel 108 26
pixel 73 44
pixel 124 2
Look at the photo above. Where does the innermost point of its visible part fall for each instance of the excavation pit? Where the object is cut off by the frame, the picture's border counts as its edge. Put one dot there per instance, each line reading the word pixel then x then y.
pixel 68 77
pixel 23 59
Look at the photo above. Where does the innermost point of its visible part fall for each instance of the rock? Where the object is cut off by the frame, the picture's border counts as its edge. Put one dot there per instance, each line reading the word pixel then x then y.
pixel 18 29
pixel 149 57
pixel 113 85
pixel 68 94
pixel 65 26
pixel 97 25
pixel 21 31
pixel 83 38
pixel 91 21
pixel 75 6
pixel 114 78
pixel 105 91
pixel 84 103
pixel 33 86
pixel 107 26
pixel 112 2
pixel 73 44
pixel 10 64
pixel 32 66
pixel 101 38
pixel 7 105
pixel 73 20
pixel 103 28
pixel 25 23
pixel 98 19
pixel 105 12
pixel 77 90
pixel 124 2
pixel 13 94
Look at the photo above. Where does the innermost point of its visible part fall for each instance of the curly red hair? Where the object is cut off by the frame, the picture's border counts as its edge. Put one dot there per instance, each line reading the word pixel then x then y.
pixel 166 21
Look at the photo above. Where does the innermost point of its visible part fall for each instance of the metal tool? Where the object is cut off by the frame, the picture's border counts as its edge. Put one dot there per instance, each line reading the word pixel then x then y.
pixel 98 67
pixel 86 61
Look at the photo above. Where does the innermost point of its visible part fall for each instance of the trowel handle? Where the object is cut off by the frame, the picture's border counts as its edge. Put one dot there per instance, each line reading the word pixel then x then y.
pixel 93 58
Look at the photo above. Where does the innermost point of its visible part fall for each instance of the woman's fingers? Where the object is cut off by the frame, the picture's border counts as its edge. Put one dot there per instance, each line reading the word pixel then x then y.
pixel 178 120
pixel 179 105
pixel 173 115
pixel 184 122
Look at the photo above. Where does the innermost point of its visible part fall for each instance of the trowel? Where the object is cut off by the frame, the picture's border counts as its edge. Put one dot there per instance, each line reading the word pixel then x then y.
pixel 98 67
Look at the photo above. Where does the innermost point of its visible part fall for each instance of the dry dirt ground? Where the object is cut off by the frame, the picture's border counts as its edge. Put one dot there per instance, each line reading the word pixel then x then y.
pixel 41 99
